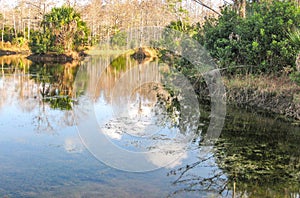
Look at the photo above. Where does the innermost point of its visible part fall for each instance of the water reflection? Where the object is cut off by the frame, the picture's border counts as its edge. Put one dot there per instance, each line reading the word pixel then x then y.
pixel 37 90
pixel 42 155
pixel 130 102
pixel 73 145
pixel 260 160
pixel 256 156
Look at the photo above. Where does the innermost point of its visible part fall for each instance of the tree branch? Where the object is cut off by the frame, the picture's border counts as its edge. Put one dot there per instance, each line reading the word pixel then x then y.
pixel 206 6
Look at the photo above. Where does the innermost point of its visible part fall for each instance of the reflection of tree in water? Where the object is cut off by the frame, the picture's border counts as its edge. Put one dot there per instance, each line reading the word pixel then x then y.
pixel 39 88
pixel 56 83
pixel 56 89
pixel 14 77
pixel 255 157
pixel 110 72
pixel 190 181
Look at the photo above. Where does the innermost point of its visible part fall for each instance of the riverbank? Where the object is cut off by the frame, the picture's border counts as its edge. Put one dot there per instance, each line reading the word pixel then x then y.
pixel 5 52
pixel 58 58
pixel 276 95
pixel 7 49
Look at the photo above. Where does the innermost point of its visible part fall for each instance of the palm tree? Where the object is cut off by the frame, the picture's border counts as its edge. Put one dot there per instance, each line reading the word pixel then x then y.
pixel 66 26
pixel 295 39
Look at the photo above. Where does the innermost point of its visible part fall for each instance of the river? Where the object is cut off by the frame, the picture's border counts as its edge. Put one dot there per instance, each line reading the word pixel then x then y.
pixel 112 127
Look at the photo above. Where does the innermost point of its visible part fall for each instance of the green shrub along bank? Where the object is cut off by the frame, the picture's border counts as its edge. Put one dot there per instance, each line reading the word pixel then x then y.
pixel 260 42
pixel 263 45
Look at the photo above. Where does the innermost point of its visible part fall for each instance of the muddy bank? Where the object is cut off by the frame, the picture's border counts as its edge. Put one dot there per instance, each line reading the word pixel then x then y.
pixel 51 58
pixel 56 58
pixel 279 97
pixel 285 104
pixel 144 53
pixel 7 52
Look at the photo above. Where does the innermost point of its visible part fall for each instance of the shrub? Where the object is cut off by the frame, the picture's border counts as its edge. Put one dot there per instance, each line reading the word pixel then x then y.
pixel 260 42
pixel 63 30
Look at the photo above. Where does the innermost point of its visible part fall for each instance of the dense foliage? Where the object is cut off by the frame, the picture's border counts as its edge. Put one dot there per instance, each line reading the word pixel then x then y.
pixel 62 30
pixel 260 41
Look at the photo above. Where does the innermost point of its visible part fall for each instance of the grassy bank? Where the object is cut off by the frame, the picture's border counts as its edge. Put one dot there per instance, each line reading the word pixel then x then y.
pixel 277 95
pixel 7 48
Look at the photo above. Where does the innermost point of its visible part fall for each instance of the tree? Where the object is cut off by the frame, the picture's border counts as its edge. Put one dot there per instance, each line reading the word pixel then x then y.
pixel 240 7
pixel 206 6
pixel 63 31
pixel 66 27
pixel 2 18
pixel 260 42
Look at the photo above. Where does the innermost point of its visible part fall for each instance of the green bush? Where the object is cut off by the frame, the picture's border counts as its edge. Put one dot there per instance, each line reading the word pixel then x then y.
pixel 260 42
pixel 295 76
pixel 8 34
pixel 19 41
pixel 63 30
pixel 39 42
pixel 119 40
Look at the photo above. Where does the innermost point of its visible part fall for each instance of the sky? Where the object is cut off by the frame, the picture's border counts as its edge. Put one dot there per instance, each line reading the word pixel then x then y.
pixel 8 4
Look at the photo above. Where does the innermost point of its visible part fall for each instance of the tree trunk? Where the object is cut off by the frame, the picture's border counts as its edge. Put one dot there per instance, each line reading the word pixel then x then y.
pixel 29 23
pixel 243 9
pixel 208 7
pixel 3 28
pixel 15 28
pixel 240 7
pixel 298 62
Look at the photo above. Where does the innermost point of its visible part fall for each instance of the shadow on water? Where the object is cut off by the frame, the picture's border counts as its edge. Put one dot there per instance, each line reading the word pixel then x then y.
pixel 260 155
pixel 255 156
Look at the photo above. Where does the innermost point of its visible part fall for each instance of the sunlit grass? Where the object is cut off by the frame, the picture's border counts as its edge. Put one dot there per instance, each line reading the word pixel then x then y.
pixel 263 83
pixel 108 51
pixel 7 46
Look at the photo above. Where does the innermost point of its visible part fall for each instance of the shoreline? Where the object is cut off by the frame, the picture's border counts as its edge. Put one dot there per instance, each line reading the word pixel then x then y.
pixel 263 93
pixel 10 52
pixel 50 58
pixel 57 58
pixel 47 57
pixel 278 96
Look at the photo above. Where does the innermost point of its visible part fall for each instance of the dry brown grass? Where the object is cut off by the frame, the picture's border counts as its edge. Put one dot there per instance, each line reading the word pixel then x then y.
pixel 262 83
pixel 14 60
pixel 7 46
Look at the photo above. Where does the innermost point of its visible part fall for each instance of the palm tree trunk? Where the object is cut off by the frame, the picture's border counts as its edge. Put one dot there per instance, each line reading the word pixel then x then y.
pixel 3 28
pixel 243 9
pixel 298 62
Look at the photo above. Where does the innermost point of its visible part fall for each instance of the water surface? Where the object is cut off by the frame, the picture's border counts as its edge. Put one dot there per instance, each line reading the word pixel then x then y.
pixel 42 154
